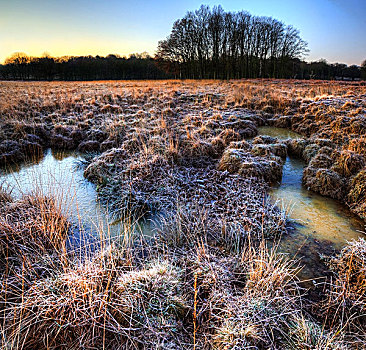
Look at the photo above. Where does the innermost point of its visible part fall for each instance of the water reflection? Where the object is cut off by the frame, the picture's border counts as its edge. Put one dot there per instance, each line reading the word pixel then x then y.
pixel 55 174
pixel 321 217
pixel 320 225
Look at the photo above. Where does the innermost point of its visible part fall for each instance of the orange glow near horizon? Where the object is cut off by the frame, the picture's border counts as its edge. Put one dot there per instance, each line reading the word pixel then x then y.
pixel 77 48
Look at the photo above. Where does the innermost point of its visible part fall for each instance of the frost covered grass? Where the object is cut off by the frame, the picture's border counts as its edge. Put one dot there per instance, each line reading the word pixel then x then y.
pixel 346 302
pixel 186 151
pixel 134 294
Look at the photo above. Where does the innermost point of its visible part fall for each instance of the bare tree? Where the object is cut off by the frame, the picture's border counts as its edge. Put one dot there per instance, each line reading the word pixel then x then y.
pixel 212 43
pixel 363 69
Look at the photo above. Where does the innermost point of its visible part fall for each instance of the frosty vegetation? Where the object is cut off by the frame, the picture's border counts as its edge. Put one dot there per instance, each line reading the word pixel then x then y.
pixel 189 153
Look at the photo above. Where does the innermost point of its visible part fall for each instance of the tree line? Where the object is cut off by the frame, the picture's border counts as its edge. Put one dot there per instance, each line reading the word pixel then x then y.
pixel 112 67
pixel 204 44
pixel 212 43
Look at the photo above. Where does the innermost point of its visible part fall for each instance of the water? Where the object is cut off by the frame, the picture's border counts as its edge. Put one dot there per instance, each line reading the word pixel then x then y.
pixel 56 174
pixel 321 225
pixel 318 216
pixel 280 133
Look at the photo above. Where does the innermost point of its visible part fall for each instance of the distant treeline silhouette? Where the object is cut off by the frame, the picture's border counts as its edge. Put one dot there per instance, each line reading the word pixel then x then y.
pixel 138 66
pixel 204 44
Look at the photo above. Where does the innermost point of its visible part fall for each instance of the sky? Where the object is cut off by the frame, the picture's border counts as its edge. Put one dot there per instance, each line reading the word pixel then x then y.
pixel 334 29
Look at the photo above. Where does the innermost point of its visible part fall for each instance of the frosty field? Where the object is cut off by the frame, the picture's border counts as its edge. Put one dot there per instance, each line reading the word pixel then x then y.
pixel 183 214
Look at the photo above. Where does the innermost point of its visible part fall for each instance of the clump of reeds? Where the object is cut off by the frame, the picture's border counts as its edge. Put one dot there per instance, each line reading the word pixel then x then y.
pixel 349 163
pixel 92 306
pixel 257 162
pixel 5 196
pixel 357 194
pixel 358 145
pixel 267 311
pixel 345 306
pixel 31 227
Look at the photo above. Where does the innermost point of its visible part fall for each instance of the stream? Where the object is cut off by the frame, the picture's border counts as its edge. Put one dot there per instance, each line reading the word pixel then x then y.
pixel 318 225
pixel 56 174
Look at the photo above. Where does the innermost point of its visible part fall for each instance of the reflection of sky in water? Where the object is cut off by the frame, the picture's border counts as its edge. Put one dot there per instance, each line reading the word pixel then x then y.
pixel 322 224
pixel 322 217
pixel 56 175
pixel 325 224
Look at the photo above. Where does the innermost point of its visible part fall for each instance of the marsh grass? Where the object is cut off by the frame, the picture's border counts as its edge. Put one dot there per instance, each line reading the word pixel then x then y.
pixel 345 306
pixel 205 279
pixel 134 292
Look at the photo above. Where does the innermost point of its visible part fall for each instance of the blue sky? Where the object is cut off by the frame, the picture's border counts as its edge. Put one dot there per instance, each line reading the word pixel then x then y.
pixel 334 29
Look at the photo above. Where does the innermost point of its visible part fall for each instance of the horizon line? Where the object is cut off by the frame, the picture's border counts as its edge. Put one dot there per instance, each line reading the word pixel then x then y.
pixel 127 56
